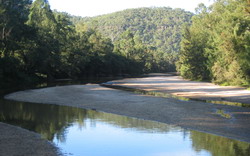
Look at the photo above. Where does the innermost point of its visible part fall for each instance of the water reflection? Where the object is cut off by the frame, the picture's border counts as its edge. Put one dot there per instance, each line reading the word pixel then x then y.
pixel 78 132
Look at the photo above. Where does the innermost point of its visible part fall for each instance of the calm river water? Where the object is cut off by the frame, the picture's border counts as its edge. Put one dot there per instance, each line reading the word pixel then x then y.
pixel 82 132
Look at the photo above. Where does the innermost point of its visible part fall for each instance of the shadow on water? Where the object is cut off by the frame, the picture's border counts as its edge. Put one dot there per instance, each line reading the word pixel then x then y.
pixel 56 123
pixel 167 95
pixel 9 88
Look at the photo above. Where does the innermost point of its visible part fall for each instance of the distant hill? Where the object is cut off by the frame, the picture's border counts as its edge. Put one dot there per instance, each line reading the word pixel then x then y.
pixel 159 27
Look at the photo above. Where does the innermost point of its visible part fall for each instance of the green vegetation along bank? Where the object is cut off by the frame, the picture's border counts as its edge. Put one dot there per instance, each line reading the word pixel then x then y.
pixel 37 43
pixel 40 44
pixel 216 47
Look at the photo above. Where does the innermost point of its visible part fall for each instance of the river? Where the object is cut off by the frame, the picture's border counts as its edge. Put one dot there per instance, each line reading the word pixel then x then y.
pixel 81 132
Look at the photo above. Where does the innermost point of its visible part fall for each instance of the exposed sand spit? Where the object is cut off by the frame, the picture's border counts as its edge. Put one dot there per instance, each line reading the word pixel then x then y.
pixel 177 86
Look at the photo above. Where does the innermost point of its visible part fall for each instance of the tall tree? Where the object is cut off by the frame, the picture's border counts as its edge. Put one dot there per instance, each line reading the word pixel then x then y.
pixel 13 33
pixel 13 15
pixel 47 30
pixel 193 59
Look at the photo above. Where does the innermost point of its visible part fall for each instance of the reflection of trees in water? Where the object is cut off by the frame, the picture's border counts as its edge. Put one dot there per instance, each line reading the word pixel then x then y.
pixel 219 146
pixel 132 123
pixel 240 152
pixel 52 121
pixel 47 120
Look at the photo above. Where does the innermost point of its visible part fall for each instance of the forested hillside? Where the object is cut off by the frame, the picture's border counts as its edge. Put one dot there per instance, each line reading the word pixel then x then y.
pixel 158 28
pixel 40 44
pixel 216 46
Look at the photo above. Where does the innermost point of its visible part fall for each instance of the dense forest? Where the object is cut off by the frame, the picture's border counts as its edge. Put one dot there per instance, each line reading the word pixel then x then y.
pixel 216 47
pixel 38 43
pixel 157 27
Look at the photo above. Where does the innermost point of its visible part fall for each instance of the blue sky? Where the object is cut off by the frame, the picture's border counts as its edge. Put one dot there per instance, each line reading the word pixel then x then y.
pixel 99 7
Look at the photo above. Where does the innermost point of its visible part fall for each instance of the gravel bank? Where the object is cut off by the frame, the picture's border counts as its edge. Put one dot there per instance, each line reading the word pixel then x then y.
pixel 187 114
pixel 15 141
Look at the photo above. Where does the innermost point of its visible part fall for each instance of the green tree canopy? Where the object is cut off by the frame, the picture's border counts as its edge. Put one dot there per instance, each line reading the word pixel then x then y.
pixel 216 45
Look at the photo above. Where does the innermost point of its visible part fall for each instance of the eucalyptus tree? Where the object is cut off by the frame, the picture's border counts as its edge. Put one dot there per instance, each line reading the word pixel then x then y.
pixel 47 52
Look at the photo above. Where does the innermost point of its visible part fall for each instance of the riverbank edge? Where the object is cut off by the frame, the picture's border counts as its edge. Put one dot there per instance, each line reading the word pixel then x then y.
pixel 19 141
pixel 74 98
pixel 127 84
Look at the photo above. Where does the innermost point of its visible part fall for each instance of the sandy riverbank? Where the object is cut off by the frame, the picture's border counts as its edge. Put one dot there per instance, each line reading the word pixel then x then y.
pixel 178 86
pixel 15 141
pixel 187 114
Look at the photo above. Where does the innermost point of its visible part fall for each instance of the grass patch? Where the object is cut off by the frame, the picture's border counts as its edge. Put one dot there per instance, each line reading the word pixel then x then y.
pixel 223 114
pixel 229 103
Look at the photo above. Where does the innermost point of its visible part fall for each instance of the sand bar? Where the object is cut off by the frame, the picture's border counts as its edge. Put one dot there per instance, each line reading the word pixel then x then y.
pixel 193 115
pixel 176 85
